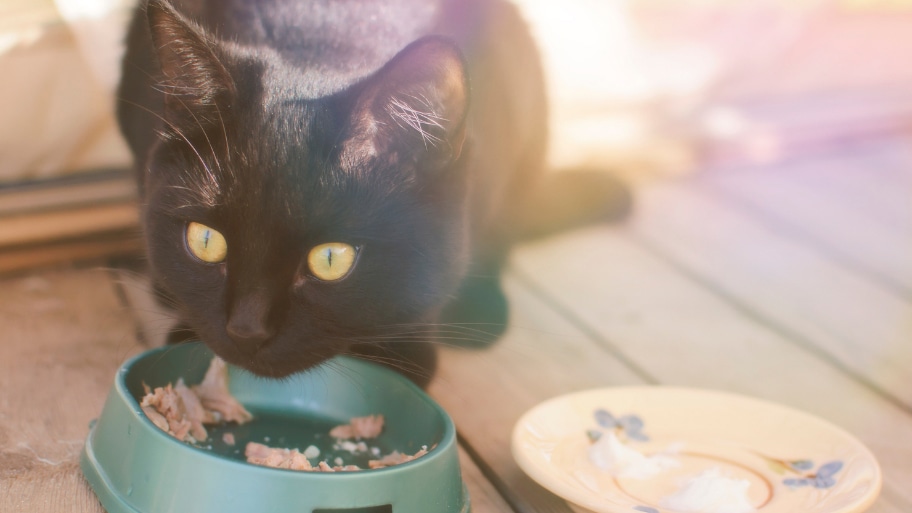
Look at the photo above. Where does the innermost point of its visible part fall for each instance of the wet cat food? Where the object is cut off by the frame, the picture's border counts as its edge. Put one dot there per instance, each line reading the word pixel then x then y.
pixel 183 412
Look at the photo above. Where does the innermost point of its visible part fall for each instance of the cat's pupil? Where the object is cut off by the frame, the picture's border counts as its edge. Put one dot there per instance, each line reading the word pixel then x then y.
pixel 206 239
pixel 329 257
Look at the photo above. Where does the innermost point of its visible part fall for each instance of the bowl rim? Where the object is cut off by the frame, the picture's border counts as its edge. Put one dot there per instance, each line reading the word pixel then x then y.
pixel 448 437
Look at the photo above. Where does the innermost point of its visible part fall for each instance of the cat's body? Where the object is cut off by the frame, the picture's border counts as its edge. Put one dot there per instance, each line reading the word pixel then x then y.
pixel 410 130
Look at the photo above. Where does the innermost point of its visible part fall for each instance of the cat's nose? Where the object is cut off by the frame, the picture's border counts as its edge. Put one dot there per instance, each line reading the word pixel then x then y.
pixel 248 333
pixel 248 323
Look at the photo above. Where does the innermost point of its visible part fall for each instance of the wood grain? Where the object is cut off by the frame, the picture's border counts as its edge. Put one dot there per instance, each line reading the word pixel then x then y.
pixel 58 196
pixel 68 224
pixel 812 300
pixel 874 178
pixel 482 494
pixel 97 248
pixel 73 219
pixel 853 237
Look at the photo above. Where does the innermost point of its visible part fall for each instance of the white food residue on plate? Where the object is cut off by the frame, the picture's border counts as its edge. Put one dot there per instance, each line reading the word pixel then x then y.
pixel 710 492
pixel 621 460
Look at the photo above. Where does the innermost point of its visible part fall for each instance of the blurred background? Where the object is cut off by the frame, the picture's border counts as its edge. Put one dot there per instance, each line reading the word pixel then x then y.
pixel 654 89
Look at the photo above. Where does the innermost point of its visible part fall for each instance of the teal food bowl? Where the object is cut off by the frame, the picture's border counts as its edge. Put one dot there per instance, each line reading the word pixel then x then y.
pixel 135 467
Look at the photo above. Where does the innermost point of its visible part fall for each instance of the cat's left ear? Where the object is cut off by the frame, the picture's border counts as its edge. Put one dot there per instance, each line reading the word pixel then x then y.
pixel 195 82
pixel 412 111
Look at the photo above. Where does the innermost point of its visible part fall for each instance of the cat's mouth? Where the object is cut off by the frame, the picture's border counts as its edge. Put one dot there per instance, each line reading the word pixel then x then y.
pixel 269 360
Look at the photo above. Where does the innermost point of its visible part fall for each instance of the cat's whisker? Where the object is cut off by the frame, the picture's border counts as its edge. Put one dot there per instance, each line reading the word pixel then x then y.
pixel 327 366
pixel 208 141
pixel 399 364
pixel 458 341
pixel 120 277
pixel 213 181
pixel 428 335
pixel 218 111
pixel 346 373
pixel 176 131
pixel 474 328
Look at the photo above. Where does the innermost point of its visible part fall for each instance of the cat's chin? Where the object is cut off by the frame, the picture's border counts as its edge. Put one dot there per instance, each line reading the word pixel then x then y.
pixel 265 363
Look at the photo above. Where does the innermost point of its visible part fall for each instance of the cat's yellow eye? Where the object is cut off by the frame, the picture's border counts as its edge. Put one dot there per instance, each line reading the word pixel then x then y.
pixel 331 261
pixel 206 243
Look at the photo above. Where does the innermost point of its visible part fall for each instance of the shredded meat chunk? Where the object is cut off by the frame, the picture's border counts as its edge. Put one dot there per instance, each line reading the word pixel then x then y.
pixel 396 458
pixel 260 454
pixel 215 397
pixel 359 427
pixel 182 412
pixel 276 457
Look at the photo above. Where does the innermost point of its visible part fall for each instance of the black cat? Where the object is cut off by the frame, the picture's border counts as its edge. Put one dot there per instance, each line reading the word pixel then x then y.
pixel 322 177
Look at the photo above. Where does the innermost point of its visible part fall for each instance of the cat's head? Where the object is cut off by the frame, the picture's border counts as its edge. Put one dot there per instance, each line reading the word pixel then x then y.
pixel 289 228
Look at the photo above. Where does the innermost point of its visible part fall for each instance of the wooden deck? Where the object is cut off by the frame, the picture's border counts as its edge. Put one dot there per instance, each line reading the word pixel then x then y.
pixel 789 281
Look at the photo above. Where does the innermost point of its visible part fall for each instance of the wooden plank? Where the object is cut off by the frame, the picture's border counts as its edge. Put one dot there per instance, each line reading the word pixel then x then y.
pixel 56 196
pixel 486 391
pixel 687 335
pixel 80 250
pixel 68 224
pixel 64 336
pixel 482 494
pixel 815 302
pixel 853 237
pixel 873 177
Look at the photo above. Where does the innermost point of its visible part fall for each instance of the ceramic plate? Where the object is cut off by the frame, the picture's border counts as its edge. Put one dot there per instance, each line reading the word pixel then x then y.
pixel 791 460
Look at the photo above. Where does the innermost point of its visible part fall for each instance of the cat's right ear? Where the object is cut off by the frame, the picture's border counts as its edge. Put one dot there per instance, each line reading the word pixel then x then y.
pixel 194 81
pixel 412 112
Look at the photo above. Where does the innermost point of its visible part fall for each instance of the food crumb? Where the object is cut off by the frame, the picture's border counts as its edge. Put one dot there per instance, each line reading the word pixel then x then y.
pixel 352 447
pixel 228 438
pixel 312 452
pixel 291 459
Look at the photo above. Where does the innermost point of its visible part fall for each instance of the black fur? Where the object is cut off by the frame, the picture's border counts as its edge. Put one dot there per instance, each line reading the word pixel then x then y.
pixel 412 129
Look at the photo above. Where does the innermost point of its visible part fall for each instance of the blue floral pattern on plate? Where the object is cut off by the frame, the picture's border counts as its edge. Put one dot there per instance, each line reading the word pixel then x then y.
pixel 629 425
pixel 822 478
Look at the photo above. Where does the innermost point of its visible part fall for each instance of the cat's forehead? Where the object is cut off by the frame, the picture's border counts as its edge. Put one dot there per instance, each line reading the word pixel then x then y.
pixel 284 175
pixel 337 44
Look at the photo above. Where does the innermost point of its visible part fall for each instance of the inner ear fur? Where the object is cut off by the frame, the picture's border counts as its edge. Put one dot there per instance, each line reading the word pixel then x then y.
pixel 414 109
pixel 194 80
